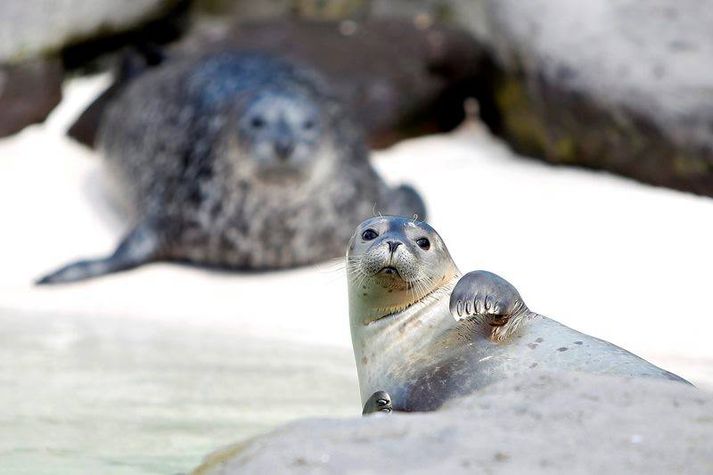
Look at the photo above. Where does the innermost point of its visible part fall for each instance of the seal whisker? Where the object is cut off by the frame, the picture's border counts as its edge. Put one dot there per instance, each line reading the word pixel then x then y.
pixel 336 264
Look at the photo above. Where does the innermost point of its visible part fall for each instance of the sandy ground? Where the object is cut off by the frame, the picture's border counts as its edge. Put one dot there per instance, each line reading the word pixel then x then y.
pixel 619 260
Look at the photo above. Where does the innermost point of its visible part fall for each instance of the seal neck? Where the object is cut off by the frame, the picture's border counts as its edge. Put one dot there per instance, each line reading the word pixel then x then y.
pixel 392 337
pixel 368 304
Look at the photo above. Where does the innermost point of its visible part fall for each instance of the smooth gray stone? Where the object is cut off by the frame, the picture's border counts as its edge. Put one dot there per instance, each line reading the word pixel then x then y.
pixel 621 85
pixel 539 423
pixel 30 28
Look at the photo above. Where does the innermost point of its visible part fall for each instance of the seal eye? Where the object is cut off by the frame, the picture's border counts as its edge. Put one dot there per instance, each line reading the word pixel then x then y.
pixel 424 244
pixel 257 122
pixel 369 235
pixel 308 124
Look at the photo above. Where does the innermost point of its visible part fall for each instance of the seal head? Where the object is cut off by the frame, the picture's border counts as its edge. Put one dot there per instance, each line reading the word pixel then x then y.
pixel 275 135
pixel 393 263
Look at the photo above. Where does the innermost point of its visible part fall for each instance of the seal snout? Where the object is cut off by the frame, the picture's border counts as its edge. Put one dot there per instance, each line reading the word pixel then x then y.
pixel 393 245
pixel 283 149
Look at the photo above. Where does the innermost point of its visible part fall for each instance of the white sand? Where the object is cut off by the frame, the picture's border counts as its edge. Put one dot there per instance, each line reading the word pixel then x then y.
pixel 622 261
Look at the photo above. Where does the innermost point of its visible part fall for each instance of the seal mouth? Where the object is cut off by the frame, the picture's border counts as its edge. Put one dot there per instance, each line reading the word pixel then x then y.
pixel 281 172
pixel 389 270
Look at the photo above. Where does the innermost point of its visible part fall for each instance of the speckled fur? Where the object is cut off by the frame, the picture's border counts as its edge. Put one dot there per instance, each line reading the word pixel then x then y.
pixel 172 154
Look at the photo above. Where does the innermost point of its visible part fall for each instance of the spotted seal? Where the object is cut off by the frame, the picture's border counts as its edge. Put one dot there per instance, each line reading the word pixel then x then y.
pixel 236 160
pixel 424 334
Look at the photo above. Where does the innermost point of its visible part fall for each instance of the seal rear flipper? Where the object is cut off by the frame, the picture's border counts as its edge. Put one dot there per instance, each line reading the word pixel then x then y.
pixel 379 402
pixel 140 246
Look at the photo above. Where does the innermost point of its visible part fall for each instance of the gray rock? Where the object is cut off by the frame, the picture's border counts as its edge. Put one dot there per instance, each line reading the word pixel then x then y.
pixel 28 92
pixel 269 9
pixel 621 85
pixel 541 423
pixel 400 79
pixel 35 27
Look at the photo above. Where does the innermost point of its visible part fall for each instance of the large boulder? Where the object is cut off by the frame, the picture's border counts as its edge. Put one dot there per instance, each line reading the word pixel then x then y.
pixel 28 92
pixel 30 28
pixel 544 423
pixel 622 85
pixel 400 78
pixel 39 38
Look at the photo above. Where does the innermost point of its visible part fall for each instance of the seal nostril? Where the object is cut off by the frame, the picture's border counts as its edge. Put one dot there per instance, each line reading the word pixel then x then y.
pixel 393 245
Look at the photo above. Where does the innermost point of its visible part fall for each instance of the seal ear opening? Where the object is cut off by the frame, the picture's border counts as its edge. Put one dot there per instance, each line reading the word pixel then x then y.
pixel 140 246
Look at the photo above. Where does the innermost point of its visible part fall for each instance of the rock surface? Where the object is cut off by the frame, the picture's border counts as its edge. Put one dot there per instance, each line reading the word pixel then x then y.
pixel 616 84
pixel 29 28
pixel 400 79
pixel 546 423
pixel 28 92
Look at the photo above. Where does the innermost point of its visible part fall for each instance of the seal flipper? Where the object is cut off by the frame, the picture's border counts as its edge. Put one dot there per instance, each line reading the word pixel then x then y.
pixel 379 402
pixel 489 298
pixel 140 246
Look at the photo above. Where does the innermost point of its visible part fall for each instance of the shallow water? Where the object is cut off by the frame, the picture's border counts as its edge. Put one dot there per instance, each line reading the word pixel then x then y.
pixel 83 395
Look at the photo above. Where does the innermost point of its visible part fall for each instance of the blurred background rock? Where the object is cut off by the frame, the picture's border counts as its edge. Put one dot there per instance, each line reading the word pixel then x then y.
pixel 614 84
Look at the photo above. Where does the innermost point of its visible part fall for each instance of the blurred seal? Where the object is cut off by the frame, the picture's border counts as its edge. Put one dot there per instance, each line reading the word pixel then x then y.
pixel 236 160
pixel 423 334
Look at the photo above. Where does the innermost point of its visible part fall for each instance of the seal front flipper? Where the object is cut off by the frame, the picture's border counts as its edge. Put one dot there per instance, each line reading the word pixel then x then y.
pixel 379 402
pixel 489 299
pixel 140 246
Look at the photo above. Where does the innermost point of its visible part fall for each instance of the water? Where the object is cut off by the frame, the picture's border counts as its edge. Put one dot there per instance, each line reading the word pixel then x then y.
pixel 83 395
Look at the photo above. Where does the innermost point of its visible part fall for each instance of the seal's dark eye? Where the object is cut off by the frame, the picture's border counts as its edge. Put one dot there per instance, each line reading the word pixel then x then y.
pixel 369 234
pixel 257 122
pixel 424 244
pixel 308 124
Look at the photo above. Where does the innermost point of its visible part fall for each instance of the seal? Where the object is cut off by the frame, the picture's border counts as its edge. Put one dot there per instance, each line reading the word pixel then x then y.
pixel 236 160
pixel 423 334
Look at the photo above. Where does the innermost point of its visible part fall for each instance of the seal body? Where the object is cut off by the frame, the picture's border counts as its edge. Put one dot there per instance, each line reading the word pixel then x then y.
pixel 236 160
pixel 451 335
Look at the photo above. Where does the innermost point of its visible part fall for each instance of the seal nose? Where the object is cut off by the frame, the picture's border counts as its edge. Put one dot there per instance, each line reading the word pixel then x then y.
pixel 283 149
pixel 393 245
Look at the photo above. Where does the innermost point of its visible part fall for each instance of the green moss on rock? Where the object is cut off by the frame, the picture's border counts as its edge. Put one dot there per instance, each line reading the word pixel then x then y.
pixel 520 121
